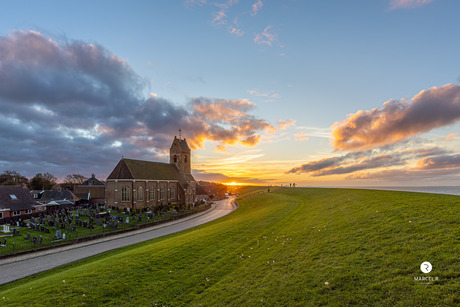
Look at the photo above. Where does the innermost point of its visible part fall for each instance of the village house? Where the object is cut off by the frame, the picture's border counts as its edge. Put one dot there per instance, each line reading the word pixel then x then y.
pixel 137 184
pixel 57 195
pixel 16 202
pixel 92 191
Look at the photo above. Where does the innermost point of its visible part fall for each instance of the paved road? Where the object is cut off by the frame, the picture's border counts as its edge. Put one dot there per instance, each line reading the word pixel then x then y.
pixel 15 268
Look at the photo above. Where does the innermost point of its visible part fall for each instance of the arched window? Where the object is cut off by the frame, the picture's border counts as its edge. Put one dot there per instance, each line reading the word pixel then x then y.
pixel 152 193
pixel 175 158
pixel 140 194
pixel 125 193
pixel 185 158
pixel 162 193
pixel 172 192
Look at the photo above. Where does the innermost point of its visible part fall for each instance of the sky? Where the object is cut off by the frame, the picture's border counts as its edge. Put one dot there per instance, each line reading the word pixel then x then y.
pixel 317 93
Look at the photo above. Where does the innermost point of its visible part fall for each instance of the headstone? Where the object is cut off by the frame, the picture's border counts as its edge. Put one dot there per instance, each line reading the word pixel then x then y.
pixel 63 235
pixel 28 236
pixel 127 220
pixel 40 239
pixel 6 228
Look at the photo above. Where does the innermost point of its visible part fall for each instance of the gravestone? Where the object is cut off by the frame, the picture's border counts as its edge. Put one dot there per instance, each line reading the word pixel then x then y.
pixel 6 228
pixel 28 236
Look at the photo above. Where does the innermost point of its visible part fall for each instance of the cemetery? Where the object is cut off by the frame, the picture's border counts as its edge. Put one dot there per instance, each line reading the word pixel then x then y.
pixel 84 223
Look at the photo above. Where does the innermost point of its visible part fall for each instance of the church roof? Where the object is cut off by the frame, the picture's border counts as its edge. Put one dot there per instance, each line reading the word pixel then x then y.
pixel 147 170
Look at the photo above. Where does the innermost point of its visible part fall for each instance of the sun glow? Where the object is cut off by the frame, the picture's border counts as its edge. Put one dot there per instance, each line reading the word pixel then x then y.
pixel 233 183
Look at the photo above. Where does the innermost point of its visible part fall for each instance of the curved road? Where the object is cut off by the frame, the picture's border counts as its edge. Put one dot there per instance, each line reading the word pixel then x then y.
pixel 22 266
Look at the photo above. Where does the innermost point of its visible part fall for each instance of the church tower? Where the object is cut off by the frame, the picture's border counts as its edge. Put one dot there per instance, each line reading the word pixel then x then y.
pixel 180 155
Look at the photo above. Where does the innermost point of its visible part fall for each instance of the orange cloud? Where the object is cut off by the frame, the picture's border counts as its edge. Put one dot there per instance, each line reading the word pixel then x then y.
pixel 398 119
pixel 284 124
pixel 300 137
pixel 451 136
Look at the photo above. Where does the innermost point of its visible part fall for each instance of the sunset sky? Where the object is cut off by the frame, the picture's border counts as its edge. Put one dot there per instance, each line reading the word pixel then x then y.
pixel 320 93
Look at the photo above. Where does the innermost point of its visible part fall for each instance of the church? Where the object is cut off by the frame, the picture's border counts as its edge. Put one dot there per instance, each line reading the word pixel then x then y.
pixel 137 184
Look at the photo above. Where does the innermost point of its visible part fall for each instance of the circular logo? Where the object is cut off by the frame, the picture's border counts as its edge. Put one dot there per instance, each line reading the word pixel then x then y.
pixel 426 267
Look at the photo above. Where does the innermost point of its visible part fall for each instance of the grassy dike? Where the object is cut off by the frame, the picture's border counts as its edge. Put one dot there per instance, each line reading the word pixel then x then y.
pixel 294 246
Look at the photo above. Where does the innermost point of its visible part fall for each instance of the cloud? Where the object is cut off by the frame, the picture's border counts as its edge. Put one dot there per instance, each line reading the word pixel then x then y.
pixel 301 137
pixel 451 136
pixel 256 7
pixel 399 119
pixel 265 38
pixel 439 162
pixel 408 4
pixel 284 124
pixel 235 31
pixel 234 28
pixel 383 157
pixel 348 163
pixel 218 177
pixel 220 16
pixel 195 2
pixel 404 175
pixel 271 96
pixel 70 106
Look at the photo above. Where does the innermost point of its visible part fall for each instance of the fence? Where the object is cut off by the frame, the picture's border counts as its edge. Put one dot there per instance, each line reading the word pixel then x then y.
pixel 35 241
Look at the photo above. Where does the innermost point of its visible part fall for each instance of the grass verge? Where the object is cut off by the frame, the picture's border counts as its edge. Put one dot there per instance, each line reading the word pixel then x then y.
pixel 289 247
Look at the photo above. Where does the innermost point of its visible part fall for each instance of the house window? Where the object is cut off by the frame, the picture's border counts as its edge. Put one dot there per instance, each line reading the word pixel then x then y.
pixel 29 211
pixel 16 213
pixel 172 192
pixel 140 194
pixel 1 215
pixel 152 193
pixel 162 193
pixel 125 193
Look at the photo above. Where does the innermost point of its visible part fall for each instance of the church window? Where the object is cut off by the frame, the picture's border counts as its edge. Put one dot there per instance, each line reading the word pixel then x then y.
pixel 152 193
pixel 125 193
pixel 175 159
pixel 162 193
pixel 172 192
pixel 185 159
pixel 140 194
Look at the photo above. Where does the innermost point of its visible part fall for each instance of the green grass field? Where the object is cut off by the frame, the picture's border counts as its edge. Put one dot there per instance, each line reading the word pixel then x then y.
pixel 289 247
